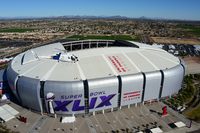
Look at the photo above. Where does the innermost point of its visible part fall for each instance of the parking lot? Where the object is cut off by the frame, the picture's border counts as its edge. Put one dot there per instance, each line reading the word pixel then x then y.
pixel 131 119
pixel 181 49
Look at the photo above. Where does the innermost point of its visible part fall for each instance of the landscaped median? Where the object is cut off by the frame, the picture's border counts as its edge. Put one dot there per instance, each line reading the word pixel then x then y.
pixel 188 99
pixel 194 114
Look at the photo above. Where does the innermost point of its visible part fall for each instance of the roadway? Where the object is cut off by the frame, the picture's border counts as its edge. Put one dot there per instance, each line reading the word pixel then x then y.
pixel 192 65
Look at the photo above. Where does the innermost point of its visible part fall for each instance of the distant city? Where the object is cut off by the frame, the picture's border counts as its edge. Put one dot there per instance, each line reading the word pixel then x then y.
pixel 33 31
pixel 95 17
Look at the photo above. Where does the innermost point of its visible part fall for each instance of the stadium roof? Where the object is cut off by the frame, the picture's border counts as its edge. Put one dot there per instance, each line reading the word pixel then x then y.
pixel 93 63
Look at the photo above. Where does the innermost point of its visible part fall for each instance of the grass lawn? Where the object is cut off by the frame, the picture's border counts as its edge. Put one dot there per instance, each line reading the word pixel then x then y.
pixel 195 30
pixel 19 30
pixel 104 37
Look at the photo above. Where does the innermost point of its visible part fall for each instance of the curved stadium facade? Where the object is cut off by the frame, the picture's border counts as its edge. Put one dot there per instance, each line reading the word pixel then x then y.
pixel 108 75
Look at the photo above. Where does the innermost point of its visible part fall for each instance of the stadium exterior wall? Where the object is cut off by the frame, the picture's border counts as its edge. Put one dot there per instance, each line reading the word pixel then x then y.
pixel 28 90
pixel 98 94
pixel 104 93
pixel 132 89
pixel 68 95
pixel 12 78
pixel 152 86
pixel 172 80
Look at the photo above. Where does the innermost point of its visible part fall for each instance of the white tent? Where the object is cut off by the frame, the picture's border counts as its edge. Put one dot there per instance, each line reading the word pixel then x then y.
pixel 156 130
pixel 68 119
pixel 180 124
pixel 5 97
pixel 7 112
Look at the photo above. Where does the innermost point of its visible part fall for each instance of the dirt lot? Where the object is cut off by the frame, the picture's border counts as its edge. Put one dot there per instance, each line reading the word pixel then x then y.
pixel 168 40
pixel 192 65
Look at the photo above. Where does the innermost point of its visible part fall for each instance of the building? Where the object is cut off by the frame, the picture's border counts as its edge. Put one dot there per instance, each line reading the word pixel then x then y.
pixel 106 75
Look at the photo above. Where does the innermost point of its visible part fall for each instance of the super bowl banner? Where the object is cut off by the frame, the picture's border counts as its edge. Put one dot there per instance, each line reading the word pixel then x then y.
pixel 75 101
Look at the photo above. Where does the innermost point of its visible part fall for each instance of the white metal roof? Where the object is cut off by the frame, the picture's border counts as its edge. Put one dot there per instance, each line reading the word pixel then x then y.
pixel 93 63
pixel 180 124
pixel 7 112
pixel 68 119
pixel 156 130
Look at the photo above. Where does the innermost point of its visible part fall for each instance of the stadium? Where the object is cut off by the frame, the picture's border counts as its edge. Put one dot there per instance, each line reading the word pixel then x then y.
pixel 93 76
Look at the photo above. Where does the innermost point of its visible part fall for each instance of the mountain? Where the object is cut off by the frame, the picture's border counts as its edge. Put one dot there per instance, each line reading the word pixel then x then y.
pixel 91 17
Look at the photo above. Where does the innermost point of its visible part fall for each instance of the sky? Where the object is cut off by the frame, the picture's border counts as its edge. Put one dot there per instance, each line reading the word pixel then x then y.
pixel 169 9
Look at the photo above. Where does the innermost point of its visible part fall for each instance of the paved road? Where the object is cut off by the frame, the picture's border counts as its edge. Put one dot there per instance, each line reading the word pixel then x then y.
pixel 192 65
pixel 193 68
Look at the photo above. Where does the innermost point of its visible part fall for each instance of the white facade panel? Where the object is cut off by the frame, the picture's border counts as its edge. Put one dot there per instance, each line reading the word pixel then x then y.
pixel 103 93
pixel 152 87
pixel 172 80
pixel 69 96
pixel 132 87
